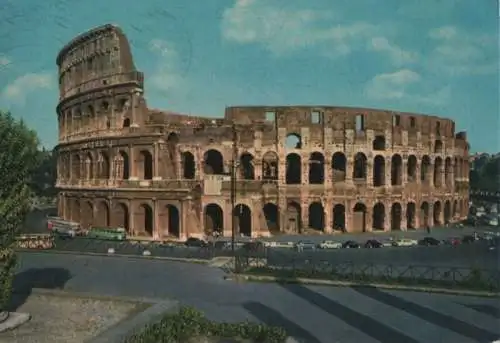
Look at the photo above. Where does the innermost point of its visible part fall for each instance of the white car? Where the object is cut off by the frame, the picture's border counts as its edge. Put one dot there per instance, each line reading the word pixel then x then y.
pixel 330 245
pixel 404 242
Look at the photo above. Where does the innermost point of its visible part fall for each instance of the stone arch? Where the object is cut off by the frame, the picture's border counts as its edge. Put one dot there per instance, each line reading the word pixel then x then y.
pixel 145 165
pixel 438 165
pixel 379 171
pixel 396 170
pixel 339 165
pixel 293 141
pixel 102 214
pixel 424 214
pixel 173 221
pixel 436 213
pixel 447 212
pixel 396 216
pixel 271 216
pixel 316 216
pixel 359 217
pixel 455 209
pixel 87 209
pixel 293 169
pixel 247 169
pixel 89 166
pixel 270 165
pixel 144 219
pixel 448 172
pixel 214 219
pixel 339 217
pixel 104 167
pixel 243 219
pixel 412 168
pixel 438 146
pixel 316 168
pixel 121 216
pixel 213 162
pixel 294 217
pixel 123 165
pixel 425 168
pixel 75 167
pixel 188 165
pixel 378 143
pixel 378 220
pixel 75 210
pixel 456 168
pixel 411 210
pixel 126 122
pixel 360 166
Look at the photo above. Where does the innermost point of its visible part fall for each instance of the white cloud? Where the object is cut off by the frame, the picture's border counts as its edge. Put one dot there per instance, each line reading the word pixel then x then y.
pixel 443 33
pixel 17 91
pixel 4 61
pixel 395 53
pixel 166 76
pixel 282 30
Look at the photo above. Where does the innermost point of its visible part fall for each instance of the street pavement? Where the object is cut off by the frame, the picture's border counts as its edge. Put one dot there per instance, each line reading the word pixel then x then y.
pixel 309 313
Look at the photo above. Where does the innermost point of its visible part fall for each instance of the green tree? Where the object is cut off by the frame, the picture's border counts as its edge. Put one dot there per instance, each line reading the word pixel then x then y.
pixel 18 152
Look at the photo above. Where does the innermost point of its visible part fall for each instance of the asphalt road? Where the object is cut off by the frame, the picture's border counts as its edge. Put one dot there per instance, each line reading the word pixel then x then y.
pixel 310 314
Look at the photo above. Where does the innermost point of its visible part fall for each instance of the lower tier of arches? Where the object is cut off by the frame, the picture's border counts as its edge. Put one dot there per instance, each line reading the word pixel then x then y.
pixel 163 219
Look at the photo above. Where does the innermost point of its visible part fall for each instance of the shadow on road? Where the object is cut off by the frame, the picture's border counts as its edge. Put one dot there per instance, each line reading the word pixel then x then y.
pixel 359 321
pixel 47 278
pixel 271 317
pixel 428 315
pixel 489 310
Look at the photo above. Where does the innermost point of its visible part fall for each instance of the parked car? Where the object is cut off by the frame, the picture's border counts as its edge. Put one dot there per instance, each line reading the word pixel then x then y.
pixel 305 245
pixel 195 242
pixel 350 245
pixel 330 245
pixel 429 241
pixel 452 241
pixel 404 242
pixel 373 243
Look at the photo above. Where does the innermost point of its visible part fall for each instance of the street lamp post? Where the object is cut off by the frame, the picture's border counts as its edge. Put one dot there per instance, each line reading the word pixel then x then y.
pixel 233 193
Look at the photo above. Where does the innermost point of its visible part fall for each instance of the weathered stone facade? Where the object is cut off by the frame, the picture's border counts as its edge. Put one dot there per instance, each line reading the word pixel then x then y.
pixel 162 174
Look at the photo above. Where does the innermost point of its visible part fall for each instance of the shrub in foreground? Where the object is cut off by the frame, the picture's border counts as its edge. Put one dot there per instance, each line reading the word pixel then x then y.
pixel 190 325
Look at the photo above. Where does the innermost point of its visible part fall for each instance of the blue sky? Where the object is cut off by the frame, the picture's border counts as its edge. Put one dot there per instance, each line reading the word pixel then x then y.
pixel 430 56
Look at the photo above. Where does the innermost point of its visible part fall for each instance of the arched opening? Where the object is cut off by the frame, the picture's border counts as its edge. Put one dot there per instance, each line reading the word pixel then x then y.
pixel 213 162
pixel 316 168
pixel 316 216
pixel 89 167
pixel 75 211
pixel 121 216
pixel 438 165
pixel 447 212
pixel 412 168
pixel 243 219
pixel 339 163
pixel 360 166
pixel 378 171
pixel 378 217
pixel 247 168
pixel 270 163
pixel 145 219
pixel 424 214
pixel 145 167
pixel 424 169
pixel 172 142
pixel 437 213
pixel 396 216
pixel 126 122
pixel 379 143
pixel 293 141
pixel 410 216
pixel 339 218
pixel 456 168
pixel 123 165
pixel 174 222
pixel 455 209
pixel 438 146
pixel 188 165
pixel 293 215
pixel 214 219
pixel 104 166
pixel 396 170
pixel 293 169
pixel 448 176
pixel 75 167
pixel 87 215
pixel 102 215
pixel 359 217
pixel 271 215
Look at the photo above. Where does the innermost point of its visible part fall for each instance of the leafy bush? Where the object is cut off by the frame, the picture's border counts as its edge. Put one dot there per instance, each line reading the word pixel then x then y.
pixel 190 325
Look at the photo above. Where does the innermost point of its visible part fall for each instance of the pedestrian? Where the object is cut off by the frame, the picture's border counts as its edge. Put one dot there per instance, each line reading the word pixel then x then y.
pixel 428 229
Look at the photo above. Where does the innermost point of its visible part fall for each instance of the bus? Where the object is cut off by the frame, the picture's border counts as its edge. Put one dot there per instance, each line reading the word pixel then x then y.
pixel 108 233
pixel 64 228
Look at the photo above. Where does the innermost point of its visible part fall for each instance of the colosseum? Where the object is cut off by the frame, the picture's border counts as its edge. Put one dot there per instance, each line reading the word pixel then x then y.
pixel 262 170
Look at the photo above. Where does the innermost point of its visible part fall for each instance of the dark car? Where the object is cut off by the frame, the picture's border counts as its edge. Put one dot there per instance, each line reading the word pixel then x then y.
pixel 373 243
pixel 195 242
pixel 469 239
pixel 350 245
pixel 429 241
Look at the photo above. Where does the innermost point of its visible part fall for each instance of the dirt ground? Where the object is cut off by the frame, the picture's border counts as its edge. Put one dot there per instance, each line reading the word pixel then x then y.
pixel 67 319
